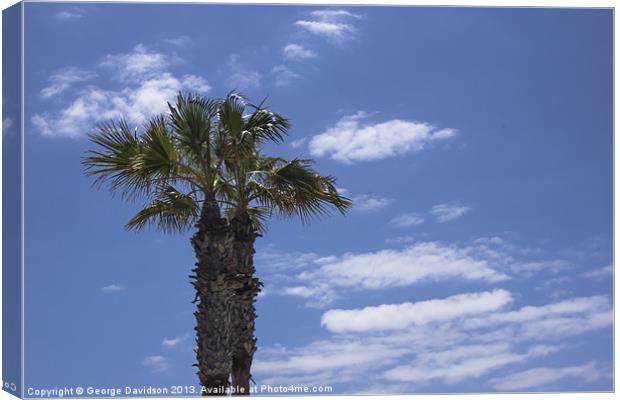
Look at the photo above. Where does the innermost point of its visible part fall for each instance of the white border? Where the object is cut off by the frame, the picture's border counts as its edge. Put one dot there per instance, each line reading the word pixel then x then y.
pixel 22 217
pixel 466 3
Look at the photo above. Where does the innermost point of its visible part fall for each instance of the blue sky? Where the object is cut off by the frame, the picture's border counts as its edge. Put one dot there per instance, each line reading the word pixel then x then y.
pixel 476 144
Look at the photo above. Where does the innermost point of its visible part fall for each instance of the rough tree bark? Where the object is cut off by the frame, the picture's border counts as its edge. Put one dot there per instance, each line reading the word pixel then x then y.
pixel 243 311
pixel 214 291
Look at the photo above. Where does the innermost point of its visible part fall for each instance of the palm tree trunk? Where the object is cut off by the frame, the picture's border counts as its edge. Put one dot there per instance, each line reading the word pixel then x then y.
pixel 243 311
pixel 213 284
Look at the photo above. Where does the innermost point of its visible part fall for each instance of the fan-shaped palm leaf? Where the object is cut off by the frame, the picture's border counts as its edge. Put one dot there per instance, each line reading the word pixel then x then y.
pixel 170 211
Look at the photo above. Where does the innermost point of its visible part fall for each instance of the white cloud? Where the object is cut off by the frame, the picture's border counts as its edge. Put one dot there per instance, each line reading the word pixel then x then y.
pixel 431 348
pixel 316 296
pixel 536 313
pixel 76 118
pixel 537 378
pixel 366 202
pixel 400 239
pixel 273 259
pixel 147 87
pixel 298 143
pixel 353 140
pixel 333 14
pixel 338 31
pixel 179 41
pixel 67 15
pixel 520 260
pixel 489 240
pixel 174 342
pixel 461 363
pixel 426 261
pixel 568 317
pixel 324 278
pixel 156 363
pixel 412 262
pixel 139 64
pixel 240 76
pixel 284 75
pixel 401 316
pixel 407 220
pixel 195 83
pixel 300 291
pixel 293 51
pixel 7 124
pixel 554 288
pixel 599 273
pixel 449 212
pixel 113 288
pixel 326 361
pixel 63 79
pixel 370 203
pixel 335 25
pixel 445 340
pixel 435 351
pixel 532 267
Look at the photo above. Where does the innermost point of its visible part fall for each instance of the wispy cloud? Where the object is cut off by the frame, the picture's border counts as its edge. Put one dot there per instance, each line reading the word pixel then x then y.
pixel 449 211
pixel 351 139
pixel 68 15
pixel 139 64
pixel 316 296
pixel 370 203
pixel 531 268
pixel 403 315
pixel 298 143
pixel 113 288
pixel 7 124
pixel 146 87
pixel 538 377
pixel 425 261
pixel 599 273
pixel 328 14
pixel 179 41
pixel 297 52
pixel 284 75
pixel 407 220
pixel 400 239
pixel 466 362
pixel 567 317
pixel 431 347
pixel 240 76
pixel 63 79
pixel 322 279
pixel 274 259
pixel 335 25
pixel 174 342
pixel 156 363
pixel 366 202
pixel 438 340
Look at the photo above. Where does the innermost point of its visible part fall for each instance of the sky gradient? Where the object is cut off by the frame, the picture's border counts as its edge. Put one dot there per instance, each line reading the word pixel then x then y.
pixel 477 147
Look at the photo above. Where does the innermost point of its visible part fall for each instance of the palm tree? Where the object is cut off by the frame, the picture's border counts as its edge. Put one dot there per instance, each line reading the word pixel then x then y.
pixel 201 158
pixel 172 165
pixel 253 188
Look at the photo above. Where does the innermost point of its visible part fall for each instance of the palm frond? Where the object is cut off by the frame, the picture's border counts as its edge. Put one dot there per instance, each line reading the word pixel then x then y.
pixel 265 125
pixel 294 188
pixel 170 211
pixel 230 114
pixel 191 118
pixel 114 161
pixel 159 157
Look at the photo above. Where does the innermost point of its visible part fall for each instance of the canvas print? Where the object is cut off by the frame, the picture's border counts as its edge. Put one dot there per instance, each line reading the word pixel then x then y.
pixel 259 199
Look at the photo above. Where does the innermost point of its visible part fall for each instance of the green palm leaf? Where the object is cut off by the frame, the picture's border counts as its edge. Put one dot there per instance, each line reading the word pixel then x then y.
pixel 170 211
